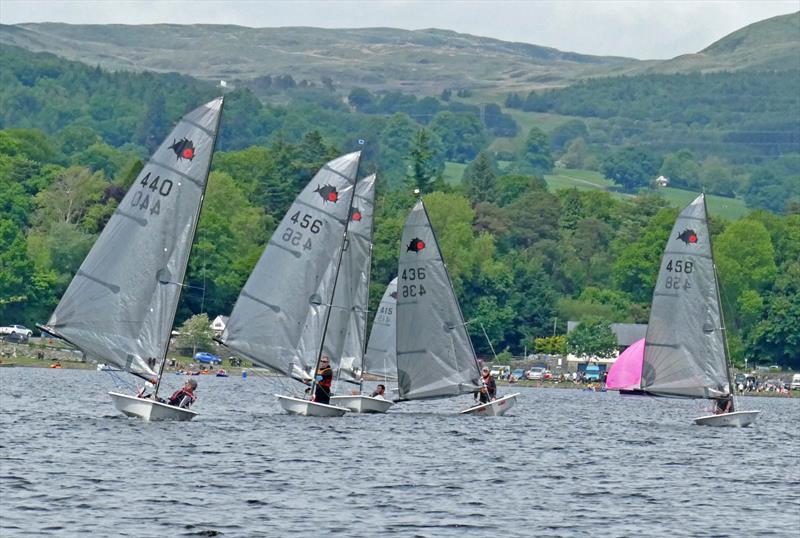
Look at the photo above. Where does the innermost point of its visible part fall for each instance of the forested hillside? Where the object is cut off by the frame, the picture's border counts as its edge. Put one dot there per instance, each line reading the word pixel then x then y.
pixel 521 257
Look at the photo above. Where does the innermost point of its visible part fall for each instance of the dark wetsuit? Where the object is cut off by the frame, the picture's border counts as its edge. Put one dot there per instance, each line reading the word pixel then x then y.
pixel 723 405
pixel 491 390
pixel 322 392
pixel 182 398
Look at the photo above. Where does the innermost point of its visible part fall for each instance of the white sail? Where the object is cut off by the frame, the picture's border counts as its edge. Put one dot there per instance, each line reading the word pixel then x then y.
pixel 381 356
pixel 435 358
pixel 120 306
pixel 344 338
pixel 278 320
pixel 684 353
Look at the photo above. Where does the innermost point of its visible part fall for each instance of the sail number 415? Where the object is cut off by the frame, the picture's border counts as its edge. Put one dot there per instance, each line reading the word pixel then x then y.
pixel 414 274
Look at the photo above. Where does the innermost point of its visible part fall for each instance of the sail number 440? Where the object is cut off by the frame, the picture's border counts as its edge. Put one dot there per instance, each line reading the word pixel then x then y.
pixel 415 289
pixel 675 281
pixel 159 188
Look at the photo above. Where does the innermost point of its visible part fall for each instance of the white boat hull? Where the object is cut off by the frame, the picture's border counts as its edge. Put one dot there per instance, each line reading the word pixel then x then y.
pixel 362 404
pixel 298 406
pixel 738 419
pixel 148 409
pixel 497 408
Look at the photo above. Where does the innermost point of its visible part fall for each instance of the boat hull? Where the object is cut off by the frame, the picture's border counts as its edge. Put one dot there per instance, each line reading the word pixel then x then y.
pixel 362 404
pixel 148 409
pixel 739 419
pixel 496 408
pixel 297 406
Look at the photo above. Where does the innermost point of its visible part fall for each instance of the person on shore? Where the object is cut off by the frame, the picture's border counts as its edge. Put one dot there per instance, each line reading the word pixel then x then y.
pixel 723 405
pixel 488 391
pixel 184 397
pixel 379 392
pixel 323 378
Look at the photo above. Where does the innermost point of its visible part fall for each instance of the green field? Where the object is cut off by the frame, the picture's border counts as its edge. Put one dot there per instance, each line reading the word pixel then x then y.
pixel 718 206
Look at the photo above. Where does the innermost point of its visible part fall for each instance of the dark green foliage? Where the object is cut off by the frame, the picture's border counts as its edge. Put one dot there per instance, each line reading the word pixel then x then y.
pixel 480 179
pixel 631 168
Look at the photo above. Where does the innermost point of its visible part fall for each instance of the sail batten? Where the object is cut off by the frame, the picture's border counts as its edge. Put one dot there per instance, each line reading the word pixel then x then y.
pixel 684 352
pixel 279 317
pixel 428 311
pixel 120 306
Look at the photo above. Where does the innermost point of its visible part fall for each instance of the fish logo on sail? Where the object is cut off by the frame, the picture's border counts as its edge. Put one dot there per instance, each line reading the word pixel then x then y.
pixel 688 236
pixel 416 245
pixel 328 193
pixel 183 148
pixel 393 295
pixel 355 214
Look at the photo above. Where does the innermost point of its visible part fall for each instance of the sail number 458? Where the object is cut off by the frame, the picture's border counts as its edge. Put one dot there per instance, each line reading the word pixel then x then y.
pixel 413 274
pixel 676 281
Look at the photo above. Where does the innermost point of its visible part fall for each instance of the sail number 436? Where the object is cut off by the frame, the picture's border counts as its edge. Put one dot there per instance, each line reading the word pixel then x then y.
pixel 414 275
pixel 676 281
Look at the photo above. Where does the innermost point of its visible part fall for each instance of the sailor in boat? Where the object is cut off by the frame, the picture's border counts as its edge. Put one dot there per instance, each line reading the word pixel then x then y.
pixel 723 405
pixel 324 378
pixel 488 392
pixel 184 396
pixel 379 392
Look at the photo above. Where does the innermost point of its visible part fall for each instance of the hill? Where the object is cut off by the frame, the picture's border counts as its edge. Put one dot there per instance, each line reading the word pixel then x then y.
pixel 419 61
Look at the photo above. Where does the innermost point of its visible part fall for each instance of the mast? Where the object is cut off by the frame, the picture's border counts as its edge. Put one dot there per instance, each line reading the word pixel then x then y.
pixel 369 279
pixel 725 347
pixel 194 232
pixel 335 278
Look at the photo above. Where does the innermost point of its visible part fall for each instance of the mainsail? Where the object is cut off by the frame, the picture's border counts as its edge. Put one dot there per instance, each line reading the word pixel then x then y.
pixel 435 358
pixel 278 320
pixel 120 306
pixel 344 339
pixel 381 356
pixel 684 353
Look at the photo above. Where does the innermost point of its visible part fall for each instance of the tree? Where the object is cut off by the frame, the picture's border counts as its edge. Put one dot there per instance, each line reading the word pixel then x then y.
pixel 195 333
pixel 592 338
pixel 565 133
pixel 425 170
pixel 480 179
pixel 360 99
pixel 536 156
pixel 681 169
pixel 68 198
pixel 461 134
pixel 630 168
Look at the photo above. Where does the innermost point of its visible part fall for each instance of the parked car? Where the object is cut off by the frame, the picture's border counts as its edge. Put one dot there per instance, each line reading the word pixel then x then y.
pixel 519 374
pixel 795 384
pixel 206 357
pixel 17 338
pixel 16 329
pixel 537 372
pixel 500 371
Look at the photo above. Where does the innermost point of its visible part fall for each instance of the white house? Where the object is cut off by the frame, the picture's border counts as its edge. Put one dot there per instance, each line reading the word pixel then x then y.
pixel 218 325
pixel 662 181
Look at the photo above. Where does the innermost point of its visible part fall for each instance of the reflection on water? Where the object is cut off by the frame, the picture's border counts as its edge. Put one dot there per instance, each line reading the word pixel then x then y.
pixel 562 463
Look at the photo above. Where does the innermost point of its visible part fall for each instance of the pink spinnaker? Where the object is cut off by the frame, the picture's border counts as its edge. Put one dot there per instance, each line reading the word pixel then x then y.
pixel 626 372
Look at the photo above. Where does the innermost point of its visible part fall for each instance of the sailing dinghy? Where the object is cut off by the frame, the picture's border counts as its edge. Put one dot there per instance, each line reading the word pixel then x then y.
pixel 380 359
pixel 625 375
pixel 282 313
pixel 435 358
pixel 121 304
pixel 685 351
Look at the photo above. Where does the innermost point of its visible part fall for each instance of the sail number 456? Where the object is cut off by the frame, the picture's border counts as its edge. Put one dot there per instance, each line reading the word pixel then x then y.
pixel 307 222
pixel 414 274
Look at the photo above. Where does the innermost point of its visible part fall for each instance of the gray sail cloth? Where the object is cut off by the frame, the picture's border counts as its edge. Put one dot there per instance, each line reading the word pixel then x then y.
pixel 381 356
pixel 120 306
pixel 435 358
pixel 347 326
pixel 684 352
pixel 279 317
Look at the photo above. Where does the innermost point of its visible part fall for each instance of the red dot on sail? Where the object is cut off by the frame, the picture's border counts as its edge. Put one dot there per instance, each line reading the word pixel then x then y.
pixel 693 239
pixel 356 216
pixel 332 197
pixel 188 153
pixel 420 245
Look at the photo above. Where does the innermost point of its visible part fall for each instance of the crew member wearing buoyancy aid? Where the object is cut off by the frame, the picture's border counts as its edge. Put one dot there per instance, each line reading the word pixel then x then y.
pixel 489 390
pixel 324 378
pixel 184 397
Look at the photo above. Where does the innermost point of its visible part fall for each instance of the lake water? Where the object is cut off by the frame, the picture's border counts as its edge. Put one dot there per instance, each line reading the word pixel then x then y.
pixel 562 463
